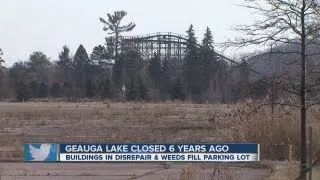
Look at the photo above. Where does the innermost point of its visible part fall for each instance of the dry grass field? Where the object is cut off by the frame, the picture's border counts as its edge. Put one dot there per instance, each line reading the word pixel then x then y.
pixel 152 122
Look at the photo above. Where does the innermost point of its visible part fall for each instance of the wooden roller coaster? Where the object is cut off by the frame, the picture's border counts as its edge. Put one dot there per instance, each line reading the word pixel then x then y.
pixel 165 44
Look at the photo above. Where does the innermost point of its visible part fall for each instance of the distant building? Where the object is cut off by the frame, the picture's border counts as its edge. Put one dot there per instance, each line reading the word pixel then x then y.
pixel 107 65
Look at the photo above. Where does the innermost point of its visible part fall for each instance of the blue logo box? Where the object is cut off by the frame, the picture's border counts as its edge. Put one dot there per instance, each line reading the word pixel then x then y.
pixel 40 152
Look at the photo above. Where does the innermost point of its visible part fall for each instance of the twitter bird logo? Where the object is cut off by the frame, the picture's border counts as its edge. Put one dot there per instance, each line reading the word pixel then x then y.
pixel 40 152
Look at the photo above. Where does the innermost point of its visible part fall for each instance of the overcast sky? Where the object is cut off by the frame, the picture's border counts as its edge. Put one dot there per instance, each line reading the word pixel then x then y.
pixel 47 25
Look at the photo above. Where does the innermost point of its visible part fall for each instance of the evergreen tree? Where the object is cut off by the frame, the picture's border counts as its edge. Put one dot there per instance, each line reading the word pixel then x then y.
pixel 155 70
pixel 39 66
pixel 128 66
pixel 192 64
pixel 208 69
pixel 165 79
pixel 178 91
pixel 82 67
pixel 81 58
pixel 207 41
pixel 133 91
pixel 106 88
pixel 113 25
pixel 118 71
pixel 191 42
pixel 64 66
pixel 99 56
pixel 65 61
pixel 143 90
pixel 110 47
pixel 133 63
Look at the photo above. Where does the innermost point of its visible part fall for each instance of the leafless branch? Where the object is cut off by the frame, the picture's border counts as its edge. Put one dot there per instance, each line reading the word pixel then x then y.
pixel 286 104
pixel 312 104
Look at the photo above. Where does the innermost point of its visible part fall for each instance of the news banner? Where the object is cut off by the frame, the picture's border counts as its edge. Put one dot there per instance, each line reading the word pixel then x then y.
pixel 146 152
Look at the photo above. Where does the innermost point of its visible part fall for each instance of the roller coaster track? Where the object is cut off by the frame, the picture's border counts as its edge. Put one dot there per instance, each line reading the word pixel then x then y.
pixel 165 44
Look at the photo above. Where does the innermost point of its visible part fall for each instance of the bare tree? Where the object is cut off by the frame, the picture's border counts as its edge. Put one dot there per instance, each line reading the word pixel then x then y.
pixel 113 25
pixel 290 23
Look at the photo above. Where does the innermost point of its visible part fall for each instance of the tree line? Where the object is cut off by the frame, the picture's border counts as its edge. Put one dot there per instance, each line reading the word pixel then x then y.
pixel 111 73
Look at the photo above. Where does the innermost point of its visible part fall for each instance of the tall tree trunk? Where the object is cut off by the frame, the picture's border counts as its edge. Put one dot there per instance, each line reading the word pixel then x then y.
pixel 116 44
pixel 303 113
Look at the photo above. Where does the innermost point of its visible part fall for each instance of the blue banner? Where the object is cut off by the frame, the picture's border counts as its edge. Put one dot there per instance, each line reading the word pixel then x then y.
pixel 160 148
